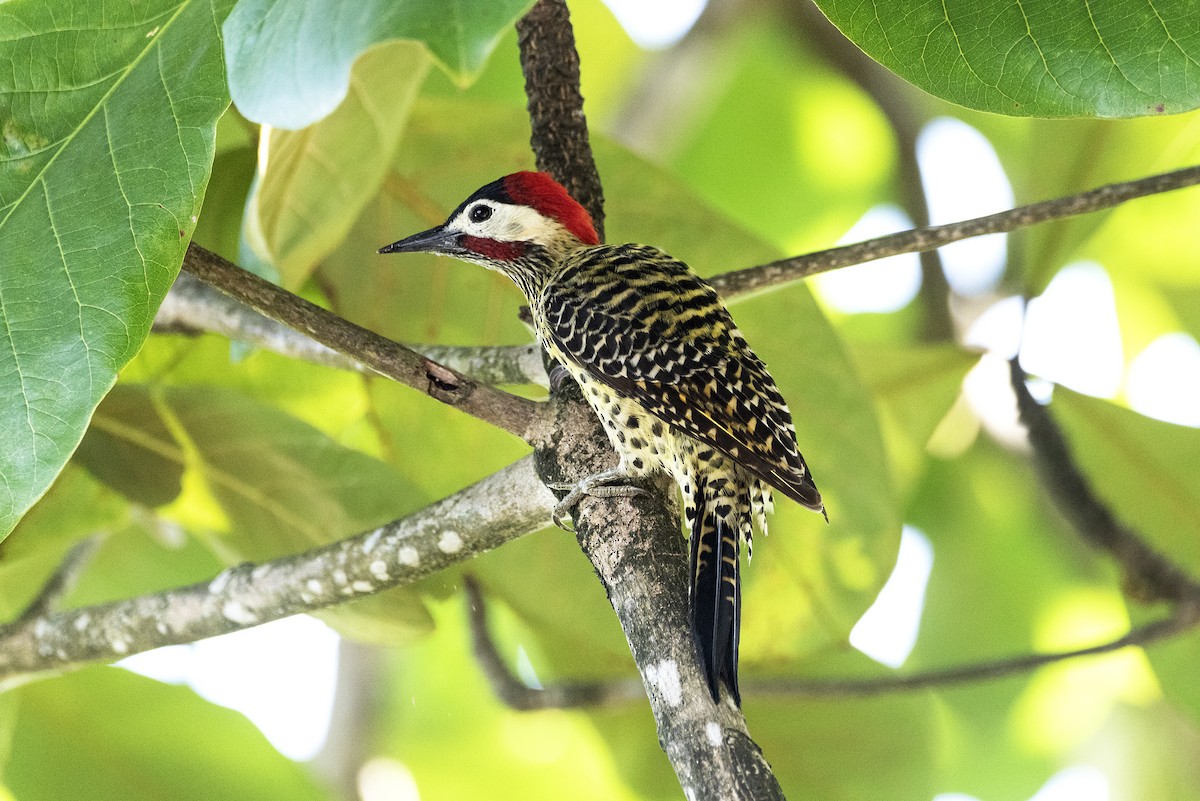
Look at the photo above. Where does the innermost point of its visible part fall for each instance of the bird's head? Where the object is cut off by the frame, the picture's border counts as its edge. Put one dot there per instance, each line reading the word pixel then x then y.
pixel 523 217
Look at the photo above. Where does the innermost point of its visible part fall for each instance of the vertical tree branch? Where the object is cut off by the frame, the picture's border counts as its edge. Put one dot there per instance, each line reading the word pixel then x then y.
pixel 559 129
pixel 634 544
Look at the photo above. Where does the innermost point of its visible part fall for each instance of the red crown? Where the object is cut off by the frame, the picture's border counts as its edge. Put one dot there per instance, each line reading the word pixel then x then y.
pixel 541 192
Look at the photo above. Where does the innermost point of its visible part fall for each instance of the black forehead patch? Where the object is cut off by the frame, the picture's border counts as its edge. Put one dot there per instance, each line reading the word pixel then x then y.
pixel 493 191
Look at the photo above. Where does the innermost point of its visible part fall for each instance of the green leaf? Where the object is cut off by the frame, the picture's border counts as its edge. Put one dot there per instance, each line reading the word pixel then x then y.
pixel 104 733
pixel 75 507
pixel 124 448
pixel 315 181
pixel 289 60
pixel 104 158
pixel 915 387
pixel 820 130
pixel 1145 469
pixel 1009 577
pixel 1042 58
pixel 260 484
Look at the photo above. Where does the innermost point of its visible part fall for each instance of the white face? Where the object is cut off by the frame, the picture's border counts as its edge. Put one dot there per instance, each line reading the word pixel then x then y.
pixel 506 223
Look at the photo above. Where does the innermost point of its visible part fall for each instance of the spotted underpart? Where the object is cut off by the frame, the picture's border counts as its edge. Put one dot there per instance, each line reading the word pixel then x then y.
pixel 660 360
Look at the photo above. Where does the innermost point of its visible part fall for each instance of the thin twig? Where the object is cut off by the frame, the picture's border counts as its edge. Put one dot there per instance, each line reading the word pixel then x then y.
pixel 516 694
pixel 765 276
pixel 61 580
pixel 1185 618
pixel 894 97
pixel 509 412
pixel 1148 574
pixel 500 508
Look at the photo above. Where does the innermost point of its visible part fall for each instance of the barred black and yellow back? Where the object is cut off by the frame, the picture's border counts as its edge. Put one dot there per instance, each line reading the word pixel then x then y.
pixel 661 362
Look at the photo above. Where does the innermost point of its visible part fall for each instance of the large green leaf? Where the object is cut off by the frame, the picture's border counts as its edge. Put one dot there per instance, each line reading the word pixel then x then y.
pixel 914 387
pixel 1145 469
pixel 314 182
pixel 1009 577
pixel 104 157
pixel 289 60
pixel 104 733
pixel 1044 58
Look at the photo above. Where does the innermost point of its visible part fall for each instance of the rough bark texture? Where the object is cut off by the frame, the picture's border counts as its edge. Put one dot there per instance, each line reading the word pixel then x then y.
pixel 559 128
pixel 638 552
pixel 501 507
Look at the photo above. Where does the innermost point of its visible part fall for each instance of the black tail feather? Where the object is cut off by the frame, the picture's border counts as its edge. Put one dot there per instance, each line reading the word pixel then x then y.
pixel 716 593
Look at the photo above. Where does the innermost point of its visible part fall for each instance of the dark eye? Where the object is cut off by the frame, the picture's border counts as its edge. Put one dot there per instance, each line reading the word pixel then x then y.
pixel 481 213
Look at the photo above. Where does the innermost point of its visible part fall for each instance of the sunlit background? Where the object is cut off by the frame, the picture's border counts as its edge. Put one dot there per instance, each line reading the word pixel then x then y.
pixel 1068 335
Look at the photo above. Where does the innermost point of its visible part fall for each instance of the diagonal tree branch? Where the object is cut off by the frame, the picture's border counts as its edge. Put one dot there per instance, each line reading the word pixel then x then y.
pixel 62 580
pixel 512 692
pixel 509 412
pixel 194 306
pixel 1148 574
pixel 765 276
pixel 500 508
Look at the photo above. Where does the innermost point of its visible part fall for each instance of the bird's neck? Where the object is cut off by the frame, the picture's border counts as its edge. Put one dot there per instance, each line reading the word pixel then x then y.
pixel 538 266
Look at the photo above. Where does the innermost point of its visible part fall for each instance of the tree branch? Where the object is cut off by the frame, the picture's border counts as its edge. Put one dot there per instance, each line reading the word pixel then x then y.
pixel 894 98
pixel 509 412
pixel 1148 574
pixel 62 580
pixel 1185 618
pixel 500 508
pixel 765 276
pixel 516 694
pixel 559 132
pixel 193 305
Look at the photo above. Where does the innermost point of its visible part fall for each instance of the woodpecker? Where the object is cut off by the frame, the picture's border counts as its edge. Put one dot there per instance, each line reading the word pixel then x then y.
pixel 659 359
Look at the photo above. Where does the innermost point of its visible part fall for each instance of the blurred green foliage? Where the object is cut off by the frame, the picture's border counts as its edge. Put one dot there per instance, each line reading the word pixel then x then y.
pixel 203 457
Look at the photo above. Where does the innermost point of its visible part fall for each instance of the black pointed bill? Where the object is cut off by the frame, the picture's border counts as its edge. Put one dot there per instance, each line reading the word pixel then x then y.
pixel 435 240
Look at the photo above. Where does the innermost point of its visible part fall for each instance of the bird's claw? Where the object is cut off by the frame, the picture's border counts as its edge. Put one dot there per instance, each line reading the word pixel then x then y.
pixel 595 486
pixel 558 376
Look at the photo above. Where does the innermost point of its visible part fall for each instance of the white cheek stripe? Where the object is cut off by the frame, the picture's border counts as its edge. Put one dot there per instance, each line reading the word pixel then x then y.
pixel 510 224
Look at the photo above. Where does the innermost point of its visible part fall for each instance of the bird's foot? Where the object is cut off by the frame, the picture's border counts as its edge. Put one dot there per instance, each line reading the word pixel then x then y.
pixel 598 485
pixel 559 375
